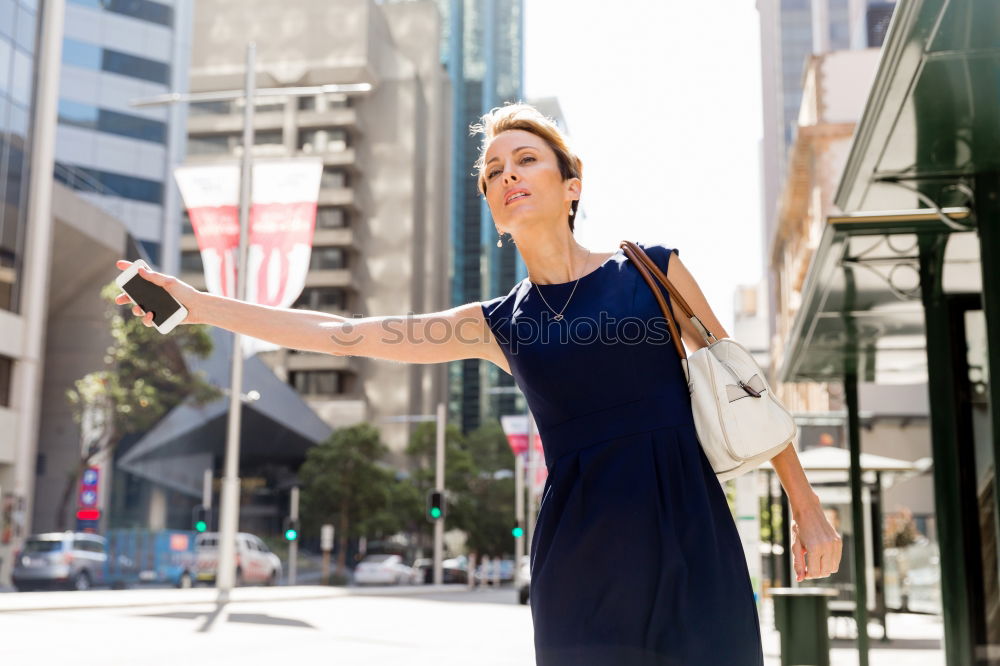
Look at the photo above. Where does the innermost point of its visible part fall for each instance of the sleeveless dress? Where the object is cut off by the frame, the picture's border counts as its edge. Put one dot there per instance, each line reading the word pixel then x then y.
pixel 636 559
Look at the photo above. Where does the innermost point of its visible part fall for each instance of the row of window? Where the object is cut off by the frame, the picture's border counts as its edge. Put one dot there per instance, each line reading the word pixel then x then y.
pixel 18 23
pixel 144 10
pixel 310 141
pixel 267 105
pixel 327 217
pixel 321 259
pixel 91 56
pixel 128 187
pixel 112 122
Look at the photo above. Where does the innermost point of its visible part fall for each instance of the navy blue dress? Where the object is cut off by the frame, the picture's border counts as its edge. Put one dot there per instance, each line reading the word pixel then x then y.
pixel 636 560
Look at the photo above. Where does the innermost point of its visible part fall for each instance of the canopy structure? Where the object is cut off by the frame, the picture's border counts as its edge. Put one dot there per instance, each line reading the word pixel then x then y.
pixel 905 287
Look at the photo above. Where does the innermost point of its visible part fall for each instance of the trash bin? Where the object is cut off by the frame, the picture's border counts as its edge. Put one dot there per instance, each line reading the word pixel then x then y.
pixel 800 615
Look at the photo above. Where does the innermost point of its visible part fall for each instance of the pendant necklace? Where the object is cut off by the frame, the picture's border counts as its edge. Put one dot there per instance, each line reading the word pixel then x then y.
pixel 558 315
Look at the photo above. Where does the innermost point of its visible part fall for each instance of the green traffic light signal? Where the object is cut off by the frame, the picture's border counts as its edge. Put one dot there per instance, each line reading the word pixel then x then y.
pixel 200 526
pixel 435 512
pixel 291 535
pixel 518 532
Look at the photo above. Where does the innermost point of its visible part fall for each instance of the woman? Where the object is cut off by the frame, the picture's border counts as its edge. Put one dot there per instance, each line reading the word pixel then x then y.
pixel 635 559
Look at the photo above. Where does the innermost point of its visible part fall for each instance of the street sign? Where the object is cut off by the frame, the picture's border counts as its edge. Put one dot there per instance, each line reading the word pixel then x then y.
pixel 326 537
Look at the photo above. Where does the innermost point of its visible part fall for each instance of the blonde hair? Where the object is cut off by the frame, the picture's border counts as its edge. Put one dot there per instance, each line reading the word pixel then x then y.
pixel 525 117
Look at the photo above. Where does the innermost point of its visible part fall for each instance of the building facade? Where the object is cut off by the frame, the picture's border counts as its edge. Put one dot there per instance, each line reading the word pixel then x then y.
pixel 117 154
pixel 381 240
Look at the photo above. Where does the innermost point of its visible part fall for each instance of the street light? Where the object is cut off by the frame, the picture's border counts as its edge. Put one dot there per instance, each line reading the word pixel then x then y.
pixel 229 504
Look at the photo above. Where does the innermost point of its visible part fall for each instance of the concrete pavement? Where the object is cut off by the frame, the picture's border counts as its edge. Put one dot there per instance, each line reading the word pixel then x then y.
pixel 378 626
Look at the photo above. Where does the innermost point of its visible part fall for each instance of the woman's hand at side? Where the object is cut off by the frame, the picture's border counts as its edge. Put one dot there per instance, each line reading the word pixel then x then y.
pixel 184 293
pixel 816 546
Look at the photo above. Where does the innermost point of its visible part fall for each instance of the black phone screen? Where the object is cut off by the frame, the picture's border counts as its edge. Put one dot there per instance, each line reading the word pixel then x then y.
pixel 151 298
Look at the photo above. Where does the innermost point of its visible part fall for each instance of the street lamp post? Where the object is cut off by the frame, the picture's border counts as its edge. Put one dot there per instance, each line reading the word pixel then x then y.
pixel 229 502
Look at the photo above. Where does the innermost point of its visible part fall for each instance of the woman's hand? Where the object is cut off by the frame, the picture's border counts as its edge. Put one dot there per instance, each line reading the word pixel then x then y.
pixel 816 546
pixel 185 294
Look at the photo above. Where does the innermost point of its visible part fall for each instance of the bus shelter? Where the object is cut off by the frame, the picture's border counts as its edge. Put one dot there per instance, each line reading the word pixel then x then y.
pixel 906 283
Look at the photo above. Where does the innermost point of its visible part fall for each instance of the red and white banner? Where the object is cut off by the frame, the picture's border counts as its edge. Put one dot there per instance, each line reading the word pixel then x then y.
pixel 282 221
pixel 515 427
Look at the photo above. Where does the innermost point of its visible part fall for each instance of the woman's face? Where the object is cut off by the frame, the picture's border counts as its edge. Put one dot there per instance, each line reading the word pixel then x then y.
pixel 521 163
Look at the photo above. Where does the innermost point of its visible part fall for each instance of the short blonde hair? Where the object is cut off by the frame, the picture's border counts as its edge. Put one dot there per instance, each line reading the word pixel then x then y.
pixel 525 117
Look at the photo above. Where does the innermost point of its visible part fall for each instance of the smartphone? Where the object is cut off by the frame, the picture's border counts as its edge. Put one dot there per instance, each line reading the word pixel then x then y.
pixel 167 312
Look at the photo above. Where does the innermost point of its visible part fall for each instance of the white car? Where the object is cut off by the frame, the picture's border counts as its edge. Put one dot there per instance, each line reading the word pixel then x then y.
pixel 255 563
pixel 385 569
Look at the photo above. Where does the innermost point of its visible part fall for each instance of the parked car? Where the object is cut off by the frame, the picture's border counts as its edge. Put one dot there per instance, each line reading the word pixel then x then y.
pixel 451 572
pixel 255 563
pixel 524 579
pixel 138 556
pixel 385 569
pixel 68 560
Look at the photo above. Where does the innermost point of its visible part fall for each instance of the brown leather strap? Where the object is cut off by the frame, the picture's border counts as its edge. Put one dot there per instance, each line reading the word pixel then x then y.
pixel 648 269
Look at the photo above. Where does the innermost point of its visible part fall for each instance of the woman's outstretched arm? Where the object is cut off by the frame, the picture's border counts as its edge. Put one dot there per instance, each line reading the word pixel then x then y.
pixel 449 335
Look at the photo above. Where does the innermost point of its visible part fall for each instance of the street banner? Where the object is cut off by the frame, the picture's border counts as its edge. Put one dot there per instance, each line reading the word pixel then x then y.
pixel 281 226
pixel 515 427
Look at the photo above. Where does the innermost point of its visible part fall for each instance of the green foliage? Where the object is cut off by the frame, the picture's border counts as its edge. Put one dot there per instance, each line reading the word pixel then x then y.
pixel 344 483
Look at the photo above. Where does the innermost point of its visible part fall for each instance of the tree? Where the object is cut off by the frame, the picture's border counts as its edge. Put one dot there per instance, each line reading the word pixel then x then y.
pixel 145 377
pixel 485 510
pixel 343 481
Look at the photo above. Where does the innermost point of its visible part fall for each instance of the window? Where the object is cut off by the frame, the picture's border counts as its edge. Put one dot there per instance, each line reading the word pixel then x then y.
pixel 331 217
pixel 320 140
pixel 327 258
pixel 145 10
pixel 91 56
pixel 212 144
pixel 317 382
pixel 129 187
pixel 191 261
pixel 323 299
pixel 333 177
pixel 111 122
pixel 267 138
pixel 6 374
pixel 307 103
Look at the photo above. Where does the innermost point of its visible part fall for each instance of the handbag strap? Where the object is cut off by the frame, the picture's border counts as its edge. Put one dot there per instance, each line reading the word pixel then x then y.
pixel 650 271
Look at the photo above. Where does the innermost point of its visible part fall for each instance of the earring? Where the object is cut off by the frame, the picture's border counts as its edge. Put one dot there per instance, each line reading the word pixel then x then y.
pixel 499 240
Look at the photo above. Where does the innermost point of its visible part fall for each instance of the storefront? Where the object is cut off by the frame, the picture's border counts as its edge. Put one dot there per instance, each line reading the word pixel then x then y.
pixel 905 285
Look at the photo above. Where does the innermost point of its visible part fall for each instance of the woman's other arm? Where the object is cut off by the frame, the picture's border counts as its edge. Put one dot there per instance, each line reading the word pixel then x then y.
pixel 816 545
pixel 458 333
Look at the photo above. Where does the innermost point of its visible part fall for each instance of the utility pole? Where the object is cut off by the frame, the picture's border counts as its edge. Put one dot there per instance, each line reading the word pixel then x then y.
pixel 293 547
pixel 439 484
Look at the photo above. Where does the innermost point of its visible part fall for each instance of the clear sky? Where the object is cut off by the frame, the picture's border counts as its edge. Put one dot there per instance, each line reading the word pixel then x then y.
pixel 662 101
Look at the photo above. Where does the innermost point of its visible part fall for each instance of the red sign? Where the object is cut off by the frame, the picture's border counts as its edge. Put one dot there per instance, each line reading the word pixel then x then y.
pixel 281 225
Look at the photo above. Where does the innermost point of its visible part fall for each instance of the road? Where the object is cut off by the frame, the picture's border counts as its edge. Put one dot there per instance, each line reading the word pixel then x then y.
pixel 449 626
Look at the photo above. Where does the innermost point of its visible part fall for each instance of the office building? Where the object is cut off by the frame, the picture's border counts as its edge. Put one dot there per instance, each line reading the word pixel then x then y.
pixel 381 240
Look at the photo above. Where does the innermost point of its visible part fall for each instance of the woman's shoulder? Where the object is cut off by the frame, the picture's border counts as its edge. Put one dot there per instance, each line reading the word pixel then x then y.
pixel 504 302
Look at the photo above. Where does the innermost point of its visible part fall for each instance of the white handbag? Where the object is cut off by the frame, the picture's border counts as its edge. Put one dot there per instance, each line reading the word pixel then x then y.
pixel 739 421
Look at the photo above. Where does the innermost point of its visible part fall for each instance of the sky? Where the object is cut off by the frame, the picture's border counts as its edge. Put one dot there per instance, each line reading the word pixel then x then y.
pixel 663 105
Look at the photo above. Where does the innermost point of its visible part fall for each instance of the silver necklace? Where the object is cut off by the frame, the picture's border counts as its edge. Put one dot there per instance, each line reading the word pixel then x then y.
pixel 559 315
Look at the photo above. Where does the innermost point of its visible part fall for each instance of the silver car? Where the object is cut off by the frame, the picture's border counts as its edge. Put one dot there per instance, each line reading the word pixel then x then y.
pixel 73 560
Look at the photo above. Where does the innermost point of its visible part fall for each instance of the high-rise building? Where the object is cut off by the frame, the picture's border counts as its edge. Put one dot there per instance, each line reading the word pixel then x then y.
pixel 381 240
pixel 118 155
pixel 791 31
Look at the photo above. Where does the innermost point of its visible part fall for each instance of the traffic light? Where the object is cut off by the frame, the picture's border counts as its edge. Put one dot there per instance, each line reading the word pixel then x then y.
pixel 291 529
pixel 518 531
pixel 435 505
pixel 200 518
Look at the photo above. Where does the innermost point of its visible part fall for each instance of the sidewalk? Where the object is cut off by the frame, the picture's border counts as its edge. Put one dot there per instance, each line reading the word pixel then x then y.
pixel 914 640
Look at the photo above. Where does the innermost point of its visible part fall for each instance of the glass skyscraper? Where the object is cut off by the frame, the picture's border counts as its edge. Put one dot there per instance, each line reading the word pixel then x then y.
pixel 483 49
pixel 18 34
